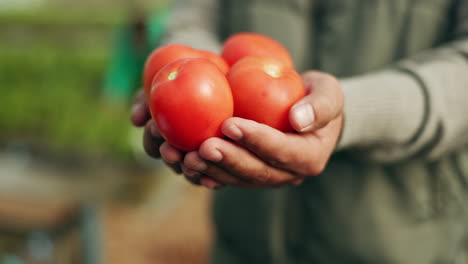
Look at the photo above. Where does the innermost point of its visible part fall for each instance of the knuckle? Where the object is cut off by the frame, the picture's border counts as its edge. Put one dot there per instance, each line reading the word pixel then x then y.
pixel 333 81
pixel 264 175
pixel 326 110
pixel 328 104
pixel 322 112
pixel 328 79
pixel 336 97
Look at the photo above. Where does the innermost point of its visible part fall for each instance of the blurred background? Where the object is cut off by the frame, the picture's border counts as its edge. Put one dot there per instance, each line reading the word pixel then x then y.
pixel 75 184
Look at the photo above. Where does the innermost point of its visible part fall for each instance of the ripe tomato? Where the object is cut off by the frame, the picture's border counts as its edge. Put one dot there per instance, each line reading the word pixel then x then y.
pixel 264 89
pixel 241 45
pixel 190 98
pixel 169 53
pixel 216 59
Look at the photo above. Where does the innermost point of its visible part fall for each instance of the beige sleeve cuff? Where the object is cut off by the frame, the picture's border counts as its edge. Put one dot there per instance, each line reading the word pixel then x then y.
pixel 382 108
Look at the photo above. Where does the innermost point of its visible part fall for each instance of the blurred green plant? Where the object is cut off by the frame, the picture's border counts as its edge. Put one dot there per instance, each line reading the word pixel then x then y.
pixel 52 66
pixel 67 14
pixel 53 96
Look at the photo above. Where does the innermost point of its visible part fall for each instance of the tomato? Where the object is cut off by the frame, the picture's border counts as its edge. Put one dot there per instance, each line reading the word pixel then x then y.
pixel 241 45
pixel 216 59
pixel 264 89
pixel 189 100
pixel 169 53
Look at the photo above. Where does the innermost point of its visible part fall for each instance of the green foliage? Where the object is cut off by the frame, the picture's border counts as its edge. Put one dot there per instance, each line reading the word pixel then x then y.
pixel 50 93
pixel 67 14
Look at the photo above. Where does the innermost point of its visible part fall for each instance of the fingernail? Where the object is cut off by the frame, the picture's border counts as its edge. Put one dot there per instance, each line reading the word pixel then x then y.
pixel 209 183
pixel 214 155
pixel 233 132
pixel 304 115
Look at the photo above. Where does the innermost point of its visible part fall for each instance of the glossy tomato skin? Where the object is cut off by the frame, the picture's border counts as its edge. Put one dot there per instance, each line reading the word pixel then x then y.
pixel 216 59
pixel 160 58
pixel 171 52
pixel 261 97
pixel 190 99
pixel 245 44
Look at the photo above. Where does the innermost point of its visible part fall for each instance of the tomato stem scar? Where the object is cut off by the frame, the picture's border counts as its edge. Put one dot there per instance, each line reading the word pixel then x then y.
pixel 172 75
pixel 272 70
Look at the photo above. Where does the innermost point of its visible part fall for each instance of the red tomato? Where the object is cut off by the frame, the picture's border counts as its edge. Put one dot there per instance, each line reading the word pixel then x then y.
pixel 264 89
pixel 216 59
pixel 169 53
pixel 190 98
pixel 241 45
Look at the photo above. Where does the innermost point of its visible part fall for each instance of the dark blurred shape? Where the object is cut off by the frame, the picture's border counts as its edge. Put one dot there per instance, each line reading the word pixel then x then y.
pixel 132 44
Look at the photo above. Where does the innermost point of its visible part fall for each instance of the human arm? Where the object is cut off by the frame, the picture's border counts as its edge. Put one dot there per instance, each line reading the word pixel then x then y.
pixel 416 108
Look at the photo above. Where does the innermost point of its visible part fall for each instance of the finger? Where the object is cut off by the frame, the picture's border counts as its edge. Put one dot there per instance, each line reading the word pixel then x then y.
pixel 222 175
pixel 190 175
pixel 297 182
pixel 241 163
pixel 196 166
pixel 210 183
pixel 196 178
pixel 292 152
pixel 140 114
pixel 322 105
pixel 170 154
pixel 153 129
pixel 175 167
pixel 151 142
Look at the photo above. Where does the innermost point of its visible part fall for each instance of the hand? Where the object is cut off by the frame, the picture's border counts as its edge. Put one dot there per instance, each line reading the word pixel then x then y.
pixel 260 156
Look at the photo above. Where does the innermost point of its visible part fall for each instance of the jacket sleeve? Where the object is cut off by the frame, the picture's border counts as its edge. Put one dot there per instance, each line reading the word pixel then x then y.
pixel 194 23
pixel 415 108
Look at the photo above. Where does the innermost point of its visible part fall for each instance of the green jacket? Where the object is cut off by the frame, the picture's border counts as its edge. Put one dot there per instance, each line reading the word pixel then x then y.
pixel 396 189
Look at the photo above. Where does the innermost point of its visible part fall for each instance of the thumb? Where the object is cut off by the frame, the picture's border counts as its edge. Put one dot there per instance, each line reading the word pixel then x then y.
pixel 323 103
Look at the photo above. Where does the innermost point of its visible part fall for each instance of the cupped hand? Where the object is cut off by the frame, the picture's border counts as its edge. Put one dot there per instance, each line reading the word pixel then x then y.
pixel 257 155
